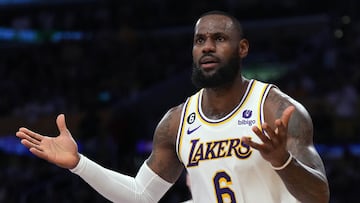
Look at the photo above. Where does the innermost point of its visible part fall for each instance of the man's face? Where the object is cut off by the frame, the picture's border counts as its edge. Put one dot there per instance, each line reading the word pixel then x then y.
pixel 216 61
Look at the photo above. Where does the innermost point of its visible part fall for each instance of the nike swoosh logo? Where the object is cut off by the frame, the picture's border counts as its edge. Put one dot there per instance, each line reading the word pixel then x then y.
pixel 189 131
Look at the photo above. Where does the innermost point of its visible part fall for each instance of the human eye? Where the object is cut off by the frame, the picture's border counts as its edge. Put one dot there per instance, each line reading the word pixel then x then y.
pixel 220 38
pixel 199 40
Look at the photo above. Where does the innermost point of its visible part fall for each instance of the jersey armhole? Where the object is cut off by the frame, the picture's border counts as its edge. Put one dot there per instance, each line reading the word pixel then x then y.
pixel 180 131
pixel 267 89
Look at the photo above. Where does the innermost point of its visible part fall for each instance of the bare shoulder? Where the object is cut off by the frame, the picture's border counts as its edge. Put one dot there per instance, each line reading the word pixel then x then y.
pixel 277 101
pixel 163 159
pixel 300 127
pixel 167 128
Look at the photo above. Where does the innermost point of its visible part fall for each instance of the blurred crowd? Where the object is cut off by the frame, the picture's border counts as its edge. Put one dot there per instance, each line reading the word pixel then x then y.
pixel 115 85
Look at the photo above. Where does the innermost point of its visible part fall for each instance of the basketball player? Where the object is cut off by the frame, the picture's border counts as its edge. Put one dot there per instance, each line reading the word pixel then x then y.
pixel 240 140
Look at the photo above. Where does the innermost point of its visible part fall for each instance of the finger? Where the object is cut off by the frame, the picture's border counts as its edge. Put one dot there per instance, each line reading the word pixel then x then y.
pixel 274 139
pixel 285 117
pixel 281 129
pixel 282 123
pixel 20 134
pixel 260 134
pixel 27 137
pixel 255 145
pixel 61 124
pixel 269 131
pixel 30 145
pixel 38 153
pixel 31 134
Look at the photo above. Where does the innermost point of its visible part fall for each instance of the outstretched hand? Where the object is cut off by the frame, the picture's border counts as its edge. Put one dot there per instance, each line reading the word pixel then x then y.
pixel 273 146
pixel 61 150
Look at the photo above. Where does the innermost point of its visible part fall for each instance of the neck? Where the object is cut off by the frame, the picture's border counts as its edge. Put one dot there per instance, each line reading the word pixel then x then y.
pixel 220 101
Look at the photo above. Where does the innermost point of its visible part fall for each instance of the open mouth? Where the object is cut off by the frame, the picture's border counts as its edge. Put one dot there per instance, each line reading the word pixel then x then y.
pixel 208 62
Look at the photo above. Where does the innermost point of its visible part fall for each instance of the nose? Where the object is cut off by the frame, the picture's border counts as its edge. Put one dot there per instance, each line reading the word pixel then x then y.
pixel 209 46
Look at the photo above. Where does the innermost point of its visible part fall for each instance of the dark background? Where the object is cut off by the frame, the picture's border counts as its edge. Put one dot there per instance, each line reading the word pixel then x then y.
pixel 115 67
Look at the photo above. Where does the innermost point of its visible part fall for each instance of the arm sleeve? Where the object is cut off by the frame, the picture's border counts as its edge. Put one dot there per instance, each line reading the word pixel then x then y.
pixel 147 186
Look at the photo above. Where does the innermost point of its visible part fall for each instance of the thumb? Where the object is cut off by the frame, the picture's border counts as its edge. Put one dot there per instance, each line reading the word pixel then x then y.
pixel 60 121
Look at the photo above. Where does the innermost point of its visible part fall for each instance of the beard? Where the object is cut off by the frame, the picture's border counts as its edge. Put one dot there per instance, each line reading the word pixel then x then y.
pixel 223 76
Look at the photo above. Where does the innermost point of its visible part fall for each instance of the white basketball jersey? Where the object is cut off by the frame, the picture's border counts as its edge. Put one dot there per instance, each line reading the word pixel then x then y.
pixel 221 167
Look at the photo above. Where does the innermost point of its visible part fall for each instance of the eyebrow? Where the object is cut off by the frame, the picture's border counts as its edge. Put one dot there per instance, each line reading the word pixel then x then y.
pixel 211 34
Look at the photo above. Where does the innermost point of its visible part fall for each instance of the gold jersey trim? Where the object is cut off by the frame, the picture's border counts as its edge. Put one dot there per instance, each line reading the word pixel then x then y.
pixel 228 117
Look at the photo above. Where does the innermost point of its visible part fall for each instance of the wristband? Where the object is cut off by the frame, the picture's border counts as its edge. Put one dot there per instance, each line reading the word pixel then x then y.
pixel 288 161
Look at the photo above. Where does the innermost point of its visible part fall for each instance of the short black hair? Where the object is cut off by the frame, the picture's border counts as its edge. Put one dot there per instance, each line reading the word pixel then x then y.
pixel 236 22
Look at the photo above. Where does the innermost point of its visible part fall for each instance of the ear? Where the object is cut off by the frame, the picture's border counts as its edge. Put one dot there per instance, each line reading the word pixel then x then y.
pixel 243 48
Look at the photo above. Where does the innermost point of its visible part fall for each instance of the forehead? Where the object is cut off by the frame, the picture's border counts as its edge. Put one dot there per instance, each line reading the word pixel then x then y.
pixel 214 24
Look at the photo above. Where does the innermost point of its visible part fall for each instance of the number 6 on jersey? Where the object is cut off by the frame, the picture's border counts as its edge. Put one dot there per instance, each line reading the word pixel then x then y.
pixel 223 193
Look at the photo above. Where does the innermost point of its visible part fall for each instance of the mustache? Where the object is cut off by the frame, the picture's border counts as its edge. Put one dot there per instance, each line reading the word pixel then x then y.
pixel 208 55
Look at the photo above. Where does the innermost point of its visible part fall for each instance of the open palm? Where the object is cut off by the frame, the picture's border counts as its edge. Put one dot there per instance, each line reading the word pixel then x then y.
pixel 61 150
pixel 274 144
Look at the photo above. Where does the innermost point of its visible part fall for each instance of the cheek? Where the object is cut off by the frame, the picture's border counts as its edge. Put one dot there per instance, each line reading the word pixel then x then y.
pixel 229 49
pixel 196 54
pixel 230 52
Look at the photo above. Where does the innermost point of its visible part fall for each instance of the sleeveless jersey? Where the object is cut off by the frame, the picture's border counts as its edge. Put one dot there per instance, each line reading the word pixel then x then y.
pixel 221 167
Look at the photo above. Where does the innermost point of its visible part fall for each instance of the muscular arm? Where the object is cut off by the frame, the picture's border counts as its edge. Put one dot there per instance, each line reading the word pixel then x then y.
pixel 163 159
pixel 305 176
